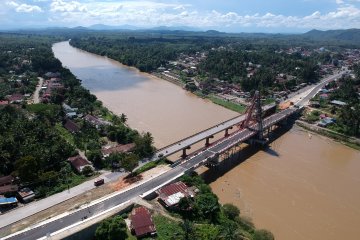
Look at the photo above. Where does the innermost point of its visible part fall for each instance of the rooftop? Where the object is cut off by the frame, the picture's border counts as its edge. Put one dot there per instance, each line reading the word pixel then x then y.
pixel 6 180
pixel 8 188
pixel 172 193
pixel 79 162
pixel 118 149
pixel 141 222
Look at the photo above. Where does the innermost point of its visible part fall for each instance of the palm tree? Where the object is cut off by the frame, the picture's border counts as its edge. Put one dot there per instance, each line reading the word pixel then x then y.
pixel 123 118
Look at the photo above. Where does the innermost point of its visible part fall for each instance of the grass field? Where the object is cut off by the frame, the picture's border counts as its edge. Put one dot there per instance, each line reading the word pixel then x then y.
pixel 227 104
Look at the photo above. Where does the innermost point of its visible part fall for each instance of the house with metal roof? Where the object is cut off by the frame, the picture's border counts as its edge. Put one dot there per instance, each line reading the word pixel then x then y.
pixel 170 195
pixel 142 224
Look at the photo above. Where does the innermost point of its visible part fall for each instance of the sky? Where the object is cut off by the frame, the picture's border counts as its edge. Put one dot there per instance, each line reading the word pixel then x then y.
pixel 275 16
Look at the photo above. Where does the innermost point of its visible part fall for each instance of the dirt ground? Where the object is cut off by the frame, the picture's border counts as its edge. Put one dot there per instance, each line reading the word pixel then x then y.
pixel 85 198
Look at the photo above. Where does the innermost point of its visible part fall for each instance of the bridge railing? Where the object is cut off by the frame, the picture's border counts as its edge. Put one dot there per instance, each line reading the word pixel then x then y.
pixel 267 107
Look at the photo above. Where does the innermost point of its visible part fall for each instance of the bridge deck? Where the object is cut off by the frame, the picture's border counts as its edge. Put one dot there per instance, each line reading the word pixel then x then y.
pixel 186 142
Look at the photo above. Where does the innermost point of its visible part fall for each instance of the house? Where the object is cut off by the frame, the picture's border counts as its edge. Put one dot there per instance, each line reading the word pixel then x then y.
pixel 4 102
pixel 338 103
pixel 79 163
pixel 141 222
pixel 326 122
pixel 118 149
pixel 97 122
pixel 324 96
pixel 26 195
pixel 16 98
pixel 7 180
pixel 314 104
pixel 8 189
pixel 171 194
pixel 6 202
pixel 69 111
pixel 71 126
pixel 52 75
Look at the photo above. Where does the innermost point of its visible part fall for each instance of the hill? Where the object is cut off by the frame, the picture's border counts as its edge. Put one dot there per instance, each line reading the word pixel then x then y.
pixel 348 35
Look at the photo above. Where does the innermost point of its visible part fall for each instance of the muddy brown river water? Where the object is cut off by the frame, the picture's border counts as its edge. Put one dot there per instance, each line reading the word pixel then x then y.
pixel 305 187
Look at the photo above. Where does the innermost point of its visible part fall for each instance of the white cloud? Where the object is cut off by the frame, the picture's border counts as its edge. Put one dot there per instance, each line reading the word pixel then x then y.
pixel 149 13
pixel 28 8
pixel 12 4
pixel 67 6
pixel 24 8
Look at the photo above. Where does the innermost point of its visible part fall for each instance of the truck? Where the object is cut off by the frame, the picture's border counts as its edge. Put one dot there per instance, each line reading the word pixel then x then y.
pixel 99 182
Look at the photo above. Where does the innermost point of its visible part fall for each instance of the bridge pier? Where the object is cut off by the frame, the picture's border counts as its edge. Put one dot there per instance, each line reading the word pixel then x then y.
pixel 207 143
pixel 184 155
pixel 227 131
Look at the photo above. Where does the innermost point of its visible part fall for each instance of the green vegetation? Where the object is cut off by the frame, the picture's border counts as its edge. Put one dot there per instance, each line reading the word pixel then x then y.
pixel 111 229
pixel 149 166
pixel 34 143
pixel 313 116
pixel 167 229
pixel 227 104
pixel 204 218
pixel 347 116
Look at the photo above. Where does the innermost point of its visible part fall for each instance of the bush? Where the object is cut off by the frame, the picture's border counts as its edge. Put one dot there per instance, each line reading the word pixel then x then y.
pixel 263 234
pixel 231 211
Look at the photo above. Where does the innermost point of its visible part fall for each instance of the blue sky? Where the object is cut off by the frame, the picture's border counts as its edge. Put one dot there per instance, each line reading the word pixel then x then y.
pixel 222 15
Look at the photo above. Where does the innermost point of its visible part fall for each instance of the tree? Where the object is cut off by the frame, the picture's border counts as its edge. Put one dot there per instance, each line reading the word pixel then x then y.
pixel 207 205
pixel 263 234
pixel 123 118
pixel 111 229
pixel 188 228
pixel 114 159
pixel 87 171
pixel 231 211
pixel 207 232
pixel 27 168
pixel 130 162
pixel 144 146
pixel 95 156
pixel 230 231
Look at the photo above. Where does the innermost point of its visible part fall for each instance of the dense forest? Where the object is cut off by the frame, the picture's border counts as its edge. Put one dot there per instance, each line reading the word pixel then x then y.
pixel 227 57
pixel 146 54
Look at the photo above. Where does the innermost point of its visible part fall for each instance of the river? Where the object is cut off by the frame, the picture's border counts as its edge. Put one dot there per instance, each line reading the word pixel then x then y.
pixel 306 187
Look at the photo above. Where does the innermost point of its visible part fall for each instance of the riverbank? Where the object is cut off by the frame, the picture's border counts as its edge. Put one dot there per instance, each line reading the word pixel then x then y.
pixel 343 139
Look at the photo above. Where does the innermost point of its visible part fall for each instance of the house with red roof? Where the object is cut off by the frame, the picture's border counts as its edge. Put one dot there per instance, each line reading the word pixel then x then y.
pixel 120 148
pixel 79 163
pixel 142 224
pixel 16 98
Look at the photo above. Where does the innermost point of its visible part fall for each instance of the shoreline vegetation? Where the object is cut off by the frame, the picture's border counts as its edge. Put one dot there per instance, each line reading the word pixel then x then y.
pixel 226 104
pixel 335 136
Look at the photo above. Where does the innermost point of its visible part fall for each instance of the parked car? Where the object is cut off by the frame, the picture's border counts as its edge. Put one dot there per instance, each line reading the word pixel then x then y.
pixel 99 182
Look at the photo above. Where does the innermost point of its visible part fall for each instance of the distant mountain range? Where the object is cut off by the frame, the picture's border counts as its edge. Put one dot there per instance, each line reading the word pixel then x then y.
pixel 352 35
pixel 347 36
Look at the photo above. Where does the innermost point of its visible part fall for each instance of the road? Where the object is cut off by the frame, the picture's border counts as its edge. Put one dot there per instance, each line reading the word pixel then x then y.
pixel 38 206
pixel 317 88
pixel 240 136
pixel 178 146
pixel 36 98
